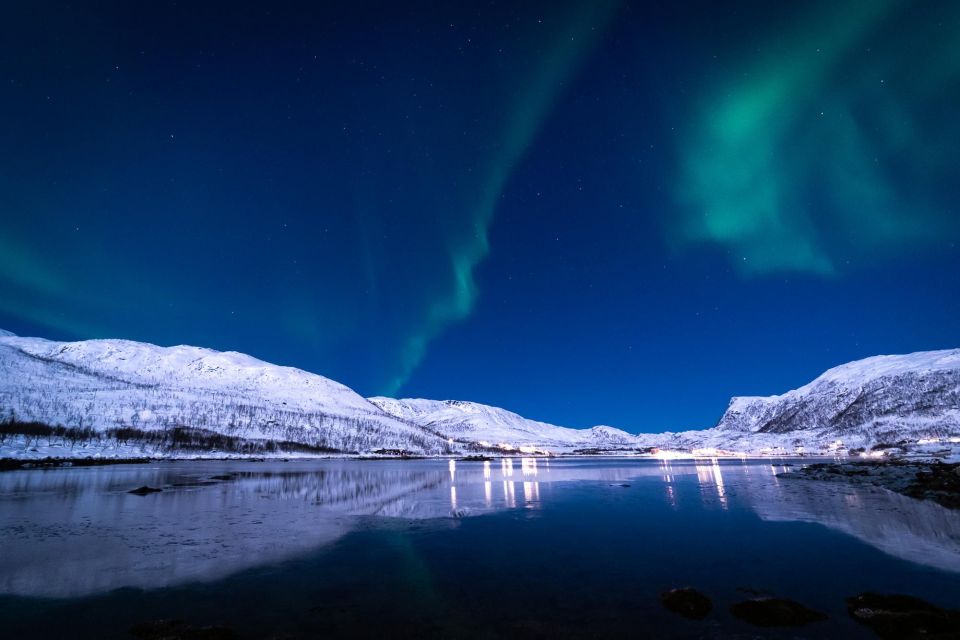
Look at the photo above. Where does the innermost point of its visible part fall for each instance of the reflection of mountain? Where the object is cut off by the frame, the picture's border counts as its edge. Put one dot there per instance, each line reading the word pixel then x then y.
pixel 914 530
pixel 78 532
pixel 74 532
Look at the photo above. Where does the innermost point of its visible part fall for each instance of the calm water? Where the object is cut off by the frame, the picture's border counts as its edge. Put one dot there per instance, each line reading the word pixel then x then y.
pixel 434 548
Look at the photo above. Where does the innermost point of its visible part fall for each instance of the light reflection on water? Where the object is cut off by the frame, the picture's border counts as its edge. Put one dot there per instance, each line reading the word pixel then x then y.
pixel 70 532
pixel 710 477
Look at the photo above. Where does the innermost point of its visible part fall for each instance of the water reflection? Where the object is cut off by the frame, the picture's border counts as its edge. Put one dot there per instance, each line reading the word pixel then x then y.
pixel 509 494
pixel 666 472
pixel 918 531
pixel 710 477
pixel 531 493
pixel 528 466
pixel 77 531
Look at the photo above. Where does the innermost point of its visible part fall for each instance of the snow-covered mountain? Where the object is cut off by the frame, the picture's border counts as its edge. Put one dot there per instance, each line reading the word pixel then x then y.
pixel 110 384
pixel 874 401
pixel 884 398
pixel 479 423
pixel 106 385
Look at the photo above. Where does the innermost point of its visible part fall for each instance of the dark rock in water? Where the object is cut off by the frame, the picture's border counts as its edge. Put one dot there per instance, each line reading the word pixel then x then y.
pixel 619 484
pixel 775 612
pixel 6 464
pixel 896 616
pixel 396 453
pixel 180 630
pixel 687 602
pixel 939 482
pixel 144 490
pixel 476 459
pixel 936 481
pixel 224 477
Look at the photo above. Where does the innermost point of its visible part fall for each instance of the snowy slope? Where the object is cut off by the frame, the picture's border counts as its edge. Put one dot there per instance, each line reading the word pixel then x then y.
pixel 104 384
pixel 107 384
pixel 878 400
pixel 480 423
pixel 915 395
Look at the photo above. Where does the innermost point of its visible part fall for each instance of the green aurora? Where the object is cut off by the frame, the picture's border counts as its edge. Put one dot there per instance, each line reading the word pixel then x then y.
pixel 822 148
pixel 536 92
pixel 340 191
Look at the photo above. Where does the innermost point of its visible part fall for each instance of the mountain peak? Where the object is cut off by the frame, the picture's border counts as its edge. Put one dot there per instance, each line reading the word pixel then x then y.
pixel 472 421
pixel 881 399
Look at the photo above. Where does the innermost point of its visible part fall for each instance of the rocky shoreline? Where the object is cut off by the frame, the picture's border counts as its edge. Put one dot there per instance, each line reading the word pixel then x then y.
pixel 17 464
pixel 936 481
pixel 890 616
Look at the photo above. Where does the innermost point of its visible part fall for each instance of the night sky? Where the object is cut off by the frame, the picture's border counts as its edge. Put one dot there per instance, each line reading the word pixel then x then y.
pixel 595 213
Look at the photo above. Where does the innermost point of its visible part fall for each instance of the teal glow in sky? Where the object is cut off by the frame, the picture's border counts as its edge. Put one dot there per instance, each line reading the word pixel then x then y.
pixel 797 154
pixel 586 212
pixel 562 54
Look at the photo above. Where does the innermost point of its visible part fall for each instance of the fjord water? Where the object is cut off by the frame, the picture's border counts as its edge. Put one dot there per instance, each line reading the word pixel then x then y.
pixel 527 547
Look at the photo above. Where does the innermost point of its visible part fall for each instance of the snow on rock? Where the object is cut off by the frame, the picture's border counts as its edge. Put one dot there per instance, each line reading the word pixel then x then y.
pixel 106 384
pixel 482 424
pixel 605 435
pixel 878 400
pixel 6 334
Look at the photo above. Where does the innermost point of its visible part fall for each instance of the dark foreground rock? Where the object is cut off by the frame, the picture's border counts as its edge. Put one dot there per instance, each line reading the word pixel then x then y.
pixel 180 630
pixel 897 616
pixel 936 481
pixel 687 602
pixel 144 490
pixel 775 612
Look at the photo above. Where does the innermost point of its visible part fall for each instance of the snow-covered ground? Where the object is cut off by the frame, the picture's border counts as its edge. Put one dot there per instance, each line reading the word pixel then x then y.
pixel 108 384
pixel 886 405
pixel 498 428
pixel 911 399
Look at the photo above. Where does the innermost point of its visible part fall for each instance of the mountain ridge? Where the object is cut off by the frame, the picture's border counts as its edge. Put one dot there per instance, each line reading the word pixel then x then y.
pixel 493 426
pixel 108 385
pixel 919 392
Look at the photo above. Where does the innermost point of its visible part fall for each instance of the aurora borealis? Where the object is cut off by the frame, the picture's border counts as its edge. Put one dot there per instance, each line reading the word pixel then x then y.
pixel 802 159
pixel 598 212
